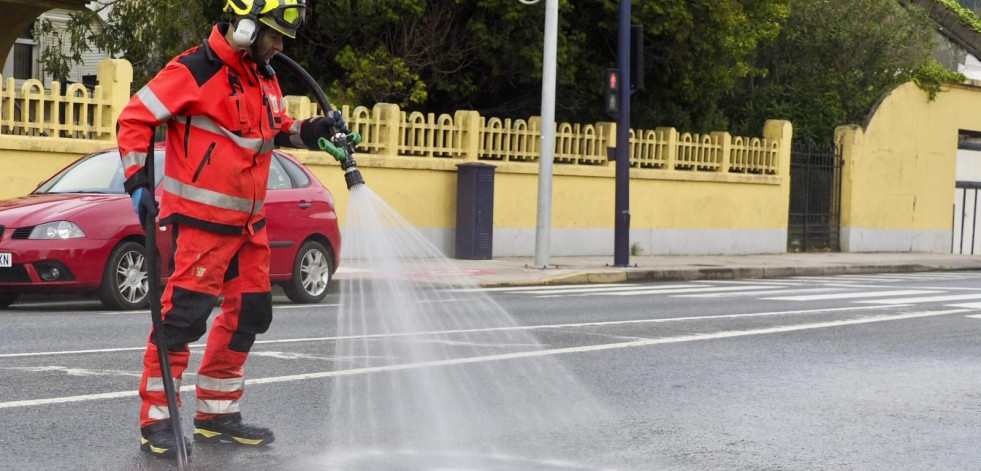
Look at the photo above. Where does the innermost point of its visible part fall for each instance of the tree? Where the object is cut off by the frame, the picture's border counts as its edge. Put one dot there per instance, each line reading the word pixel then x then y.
pixel 148 33
pixel 830 64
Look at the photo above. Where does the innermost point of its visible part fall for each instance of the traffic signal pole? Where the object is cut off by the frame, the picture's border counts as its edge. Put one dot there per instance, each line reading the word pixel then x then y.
pixel 621 231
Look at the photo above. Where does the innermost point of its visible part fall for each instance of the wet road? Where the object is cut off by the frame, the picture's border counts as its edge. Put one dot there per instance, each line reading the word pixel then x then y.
pixel 876 372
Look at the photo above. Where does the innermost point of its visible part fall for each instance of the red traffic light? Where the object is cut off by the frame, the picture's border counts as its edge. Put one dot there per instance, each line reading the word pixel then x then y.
pixel 612 79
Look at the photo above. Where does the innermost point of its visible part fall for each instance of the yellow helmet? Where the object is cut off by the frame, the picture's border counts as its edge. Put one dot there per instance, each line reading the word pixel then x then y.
pixel 284 16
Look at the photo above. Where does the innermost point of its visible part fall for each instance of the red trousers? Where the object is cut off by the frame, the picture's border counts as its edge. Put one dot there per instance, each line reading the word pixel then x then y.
pixel 207 264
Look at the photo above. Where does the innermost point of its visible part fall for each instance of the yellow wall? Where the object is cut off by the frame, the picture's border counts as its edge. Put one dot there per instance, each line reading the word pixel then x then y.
pixel 898 186
pixel 26 161
pixel 722 213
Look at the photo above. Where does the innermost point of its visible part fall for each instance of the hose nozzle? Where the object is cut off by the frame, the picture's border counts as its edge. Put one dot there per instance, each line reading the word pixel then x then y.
pixel 341 147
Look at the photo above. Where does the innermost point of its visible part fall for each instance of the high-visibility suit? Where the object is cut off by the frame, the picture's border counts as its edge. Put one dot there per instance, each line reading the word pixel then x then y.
pixel 223 114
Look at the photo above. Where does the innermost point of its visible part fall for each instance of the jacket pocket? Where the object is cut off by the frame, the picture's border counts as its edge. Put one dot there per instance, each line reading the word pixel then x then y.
pixel 205 161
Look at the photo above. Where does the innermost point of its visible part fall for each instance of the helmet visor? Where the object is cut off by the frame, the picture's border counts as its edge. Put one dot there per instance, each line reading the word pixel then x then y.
pixel 286 19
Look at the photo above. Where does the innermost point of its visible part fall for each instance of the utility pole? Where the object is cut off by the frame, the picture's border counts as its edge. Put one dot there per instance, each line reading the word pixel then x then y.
pixel 543 227
pixel 621 230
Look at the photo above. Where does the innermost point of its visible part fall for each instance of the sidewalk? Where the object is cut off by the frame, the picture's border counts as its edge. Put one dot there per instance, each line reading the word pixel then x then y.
pixel 520 271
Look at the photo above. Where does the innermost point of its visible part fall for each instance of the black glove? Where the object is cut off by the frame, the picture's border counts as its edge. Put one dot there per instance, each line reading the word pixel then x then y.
pixel 144 204
pixel 332 120
pixel 313 129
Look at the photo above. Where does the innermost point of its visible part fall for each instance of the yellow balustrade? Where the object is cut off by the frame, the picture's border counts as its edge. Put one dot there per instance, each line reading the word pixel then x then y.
pixel 83 115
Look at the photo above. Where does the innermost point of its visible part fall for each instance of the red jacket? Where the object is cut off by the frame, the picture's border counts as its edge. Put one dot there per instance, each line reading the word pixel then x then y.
pixel 222 115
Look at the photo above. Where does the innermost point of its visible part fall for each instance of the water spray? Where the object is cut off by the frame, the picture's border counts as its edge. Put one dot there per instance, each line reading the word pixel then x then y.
pixel 340 146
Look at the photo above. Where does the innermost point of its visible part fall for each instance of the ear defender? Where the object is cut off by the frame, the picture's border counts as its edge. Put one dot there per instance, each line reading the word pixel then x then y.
pixel 245 32
pixel 246 29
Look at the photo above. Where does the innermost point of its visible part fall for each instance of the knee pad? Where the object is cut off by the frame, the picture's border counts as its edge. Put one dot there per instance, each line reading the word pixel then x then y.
pixel 254 318
pixel 187 319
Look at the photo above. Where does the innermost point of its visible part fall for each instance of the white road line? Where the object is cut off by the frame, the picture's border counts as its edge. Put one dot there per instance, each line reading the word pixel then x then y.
pixel 968 306
pixel 597 289
pixel 512 356
pixel 754 281
pixel 466 331
pixel 752 293
pixel 529 288
pixel 691 290
pixel 863 294
pixel 926 299
pixel 974 316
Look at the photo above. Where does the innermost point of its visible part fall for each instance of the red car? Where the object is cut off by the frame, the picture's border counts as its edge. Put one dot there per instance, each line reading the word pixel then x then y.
pixel 77 232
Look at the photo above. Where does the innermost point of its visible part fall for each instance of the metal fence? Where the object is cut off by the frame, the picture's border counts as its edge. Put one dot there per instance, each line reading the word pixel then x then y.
pixel 964 238
pixel 815 198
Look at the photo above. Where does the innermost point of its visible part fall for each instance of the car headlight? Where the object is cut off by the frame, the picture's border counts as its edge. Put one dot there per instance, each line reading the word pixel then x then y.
pixel 57 230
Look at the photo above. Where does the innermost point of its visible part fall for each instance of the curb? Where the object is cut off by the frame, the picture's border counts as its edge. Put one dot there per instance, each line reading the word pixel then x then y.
pixel 713 273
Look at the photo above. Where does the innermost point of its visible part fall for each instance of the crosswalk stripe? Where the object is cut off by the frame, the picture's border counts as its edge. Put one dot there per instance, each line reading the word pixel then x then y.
pixel 862 294
pixel 925 299
pixel 968 305
pixel 600 289
pixel 691 290
pixel 781 290
pixel 530 288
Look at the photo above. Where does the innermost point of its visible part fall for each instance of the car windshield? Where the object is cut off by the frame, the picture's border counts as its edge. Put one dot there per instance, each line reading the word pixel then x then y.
pixel 96 173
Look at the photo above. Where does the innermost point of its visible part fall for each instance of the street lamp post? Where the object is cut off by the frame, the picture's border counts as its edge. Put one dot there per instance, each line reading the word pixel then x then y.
pixel 543 227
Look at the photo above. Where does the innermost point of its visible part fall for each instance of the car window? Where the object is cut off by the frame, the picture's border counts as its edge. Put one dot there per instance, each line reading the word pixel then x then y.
pixel 278 178
pixel 300 178
pixel 97 173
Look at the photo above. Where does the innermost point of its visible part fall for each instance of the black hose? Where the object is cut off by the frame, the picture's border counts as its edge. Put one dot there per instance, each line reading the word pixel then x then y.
pixel 352 176
pixel 156 315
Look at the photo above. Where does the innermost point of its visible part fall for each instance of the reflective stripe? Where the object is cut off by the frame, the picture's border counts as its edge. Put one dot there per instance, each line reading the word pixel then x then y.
pixel 158 413
pixel 156 384
pixel 134 158
pixel 254 144
pixel 154 104
pixel 221 384
pixel 296 141
pixel 217 406
pixel 295 128
pixel 210 198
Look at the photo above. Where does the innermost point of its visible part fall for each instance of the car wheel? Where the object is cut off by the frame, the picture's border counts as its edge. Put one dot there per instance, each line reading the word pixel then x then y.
pixel 311 274
pixel 7 298
pixel 124 282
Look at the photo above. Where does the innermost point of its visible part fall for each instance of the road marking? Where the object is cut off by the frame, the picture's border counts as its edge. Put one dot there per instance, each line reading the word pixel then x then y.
pixel 467 331
pixel 511 356
pixel 863 294
pixel 693 290
pixel 530 288
pixel 751 293
pixel 595 289
pixel 968 306
pixel 975 316
pixel 925 299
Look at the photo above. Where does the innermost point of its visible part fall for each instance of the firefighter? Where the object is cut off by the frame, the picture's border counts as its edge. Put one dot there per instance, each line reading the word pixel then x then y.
pixel 224 112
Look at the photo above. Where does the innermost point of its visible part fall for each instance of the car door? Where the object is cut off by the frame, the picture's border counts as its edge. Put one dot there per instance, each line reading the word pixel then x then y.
pixel 288 217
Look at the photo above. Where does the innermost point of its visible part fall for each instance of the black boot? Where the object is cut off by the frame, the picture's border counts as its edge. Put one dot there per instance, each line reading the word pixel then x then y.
pixel 229 428
pixel 158 439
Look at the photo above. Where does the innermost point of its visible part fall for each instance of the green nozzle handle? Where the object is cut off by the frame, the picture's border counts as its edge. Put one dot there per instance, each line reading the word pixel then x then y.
pixel 330 148
pixel 354 138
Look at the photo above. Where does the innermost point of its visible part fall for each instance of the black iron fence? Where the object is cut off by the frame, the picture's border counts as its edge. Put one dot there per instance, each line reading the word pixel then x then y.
pixel 963 238
pixel 815 198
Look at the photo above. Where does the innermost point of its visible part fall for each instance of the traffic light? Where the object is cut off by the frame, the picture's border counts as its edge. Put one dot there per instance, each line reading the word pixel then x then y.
pixel 612 96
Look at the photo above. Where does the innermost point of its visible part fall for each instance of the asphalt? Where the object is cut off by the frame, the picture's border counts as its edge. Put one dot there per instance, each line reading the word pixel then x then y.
pixel 522 271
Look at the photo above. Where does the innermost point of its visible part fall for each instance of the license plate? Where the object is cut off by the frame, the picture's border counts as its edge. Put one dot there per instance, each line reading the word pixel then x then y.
pixel 6 260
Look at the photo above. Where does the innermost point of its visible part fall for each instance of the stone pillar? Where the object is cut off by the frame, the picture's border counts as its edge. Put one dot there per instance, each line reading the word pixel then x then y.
pixel 724 142
pixel 670 138
pixel 850 139
pixel 468 132
pixel 389 118
pixel 115 78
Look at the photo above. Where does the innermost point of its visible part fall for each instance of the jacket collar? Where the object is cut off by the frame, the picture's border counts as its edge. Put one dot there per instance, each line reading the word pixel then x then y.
pixel 218 46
